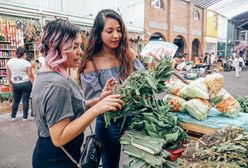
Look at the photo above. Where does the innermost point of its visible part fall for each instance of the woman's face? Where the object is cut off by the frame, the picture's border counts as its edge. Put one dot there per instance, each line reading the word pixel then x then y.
pixel 111 34
pixel 73 57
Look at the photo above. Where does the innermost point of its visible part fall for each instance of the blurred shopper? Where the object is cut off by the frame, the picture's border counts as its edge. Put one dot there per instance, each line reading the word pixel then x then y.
pixel 20 77
pixel 107 55
pixel 206 61
pixel 60 110
pixel 238 64
pixel 197 60
pixel 212 59
pixel 177 60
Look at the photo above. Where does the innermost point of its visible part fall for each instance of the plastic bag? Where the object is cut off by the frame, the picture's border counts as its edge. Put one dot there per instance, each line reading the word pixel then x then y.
pixel 176 103
pixel 226 103
pixel 196 89
pixel 198 108
pixel 175 86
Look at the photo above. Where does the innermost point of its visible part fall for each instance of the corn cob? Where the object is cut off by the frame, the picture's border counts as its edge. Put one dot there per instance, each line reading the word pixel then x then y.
pixel 215 82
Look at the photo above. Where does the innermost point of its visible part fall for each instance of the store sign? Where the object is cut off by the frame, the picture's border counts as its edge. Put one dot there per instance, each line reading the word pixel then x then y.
pixel 212 24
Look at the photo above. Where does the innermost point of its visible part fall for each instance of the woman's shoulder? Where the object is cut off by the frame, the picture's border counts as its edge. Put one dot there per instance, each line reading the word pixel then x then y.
pixel 89 68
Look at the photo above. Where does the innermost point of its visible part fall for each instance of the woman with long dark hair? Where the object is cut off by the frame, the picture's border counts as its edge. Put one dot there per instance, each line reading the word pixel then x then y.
pixel 107 55
pixel 61 114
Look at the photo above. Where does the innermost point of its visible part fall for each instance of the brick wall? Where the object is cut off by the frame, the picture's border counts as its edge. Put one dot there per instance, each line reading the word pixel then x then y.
pixel 176 19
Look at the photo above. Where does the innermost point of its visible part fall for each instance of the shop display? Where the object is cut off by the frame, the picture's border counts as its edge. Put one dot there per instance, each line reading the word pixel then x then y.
pixel 243 101
pixel 198 108
pixel 226 146
pixel 7 51
pixel 151 117
pixel 195 89
pixel 13 33
pixel 215 82
pixel 175 86
pixel 177 104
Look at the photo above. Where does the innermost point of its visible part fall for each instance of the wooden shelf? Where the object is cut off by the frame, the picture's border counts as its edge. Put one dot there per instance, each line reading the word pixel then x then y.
pixel 3 75
pixel 196 128
pixel 5 57
pixel 5 49
pixel 3 67
pixel 5 42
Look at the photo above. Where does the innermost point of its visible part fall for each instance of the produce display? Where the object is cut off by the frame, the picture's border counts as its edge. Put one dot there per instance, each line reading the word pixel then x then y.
pixel 175 86
pixel 215 82
pixel 227 146
pixel 226 103
pixel 196 89
pixel 139 88
pixel 150 116
pixel 198 108
pixel 177 104
pixel 243 101
pixel 154 131
pixel 145 151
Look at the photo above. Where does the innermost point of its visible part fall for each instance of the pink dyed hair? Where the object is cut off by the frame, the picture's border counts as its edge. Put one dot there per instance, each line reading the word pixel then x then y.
pixel 57 41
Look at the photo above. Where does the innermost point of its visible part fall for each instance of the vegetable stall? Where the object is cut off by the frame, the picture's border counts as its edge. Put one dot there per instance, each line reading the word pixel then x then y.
pixel 166 112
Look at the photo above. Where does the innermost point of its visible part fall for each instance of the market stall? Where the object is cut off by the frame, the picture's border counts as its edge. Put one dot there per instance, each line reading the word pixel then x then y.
pixel 15 31
pixel 162 126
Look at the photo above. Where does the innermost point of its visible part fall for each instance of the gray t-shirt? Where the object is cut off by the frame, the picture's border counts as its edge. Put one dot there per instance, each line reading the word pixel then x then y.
pixel 54 98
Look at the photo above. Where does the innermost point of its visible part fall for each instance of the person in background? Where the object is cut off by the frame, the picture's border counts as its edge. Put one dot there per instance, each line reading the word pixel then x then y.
pixel 220 61
pixel 38 55
pixel 176 61
pixel 20 78
pixel 61 113
pixel 238 63
pixel 107 55
pixel 196 60
pixel 212 59
pixel 185 56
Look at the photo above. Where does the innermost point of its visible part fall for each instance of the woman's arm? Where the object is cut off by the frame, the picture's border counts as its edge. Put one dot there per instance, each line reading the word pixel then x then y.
pixel 30 74
pixel 9 75
pixel 64 131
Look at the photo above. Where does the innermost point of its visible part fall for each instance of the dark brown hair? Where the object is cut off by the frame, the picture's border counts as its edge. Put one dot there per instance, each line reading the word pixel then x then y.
pixel 95 43
pixel 20 51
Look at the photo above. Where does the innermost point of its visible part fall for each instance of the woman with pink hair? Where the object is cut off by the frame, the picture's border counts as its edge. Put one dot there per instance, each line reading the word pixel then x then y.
pixel 61 113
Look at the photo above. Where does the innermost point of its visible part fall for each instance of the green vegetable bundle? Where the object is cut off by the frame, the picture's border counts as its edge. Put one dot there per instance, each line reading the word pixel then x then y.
pixel 229 145
pixel 145 151
pixel 243 101
pixel 138 87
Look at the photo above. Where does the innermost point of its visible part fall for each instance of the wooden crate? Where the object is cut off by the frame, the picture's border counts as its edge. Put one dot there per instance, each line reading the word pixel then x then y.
pixel 196 131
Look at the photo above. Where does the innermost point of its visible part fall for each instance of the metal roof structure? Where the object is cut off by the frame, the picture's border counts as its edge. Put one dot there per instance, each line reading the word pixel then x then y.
pixel 228 8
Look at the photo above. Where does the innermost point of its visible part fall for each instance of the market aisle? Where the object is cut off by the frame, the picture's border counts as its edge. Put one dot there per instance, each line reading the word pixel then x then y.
pixel 236 86
pixel 18 138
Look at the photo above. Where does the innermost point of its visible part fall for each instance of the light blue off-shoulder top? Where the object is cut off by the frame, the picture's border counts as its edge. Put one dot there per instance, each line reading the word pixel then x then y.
pixel 92 84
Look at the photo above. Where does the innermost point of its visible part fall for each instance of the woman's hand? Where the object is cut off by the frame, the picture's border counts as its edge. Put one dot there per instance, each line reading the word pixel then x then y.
pixel 109 103
pixel 107 88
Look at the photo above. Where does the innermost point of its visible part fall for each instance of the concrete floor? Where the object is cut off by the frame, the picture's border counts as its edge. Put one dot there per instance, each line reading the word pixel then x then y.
pixel 17 139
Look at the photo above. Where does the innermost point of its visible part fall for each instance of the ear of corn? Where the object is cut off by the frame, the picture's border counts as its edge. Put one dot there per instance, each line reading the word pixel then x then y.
pixel 215 82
